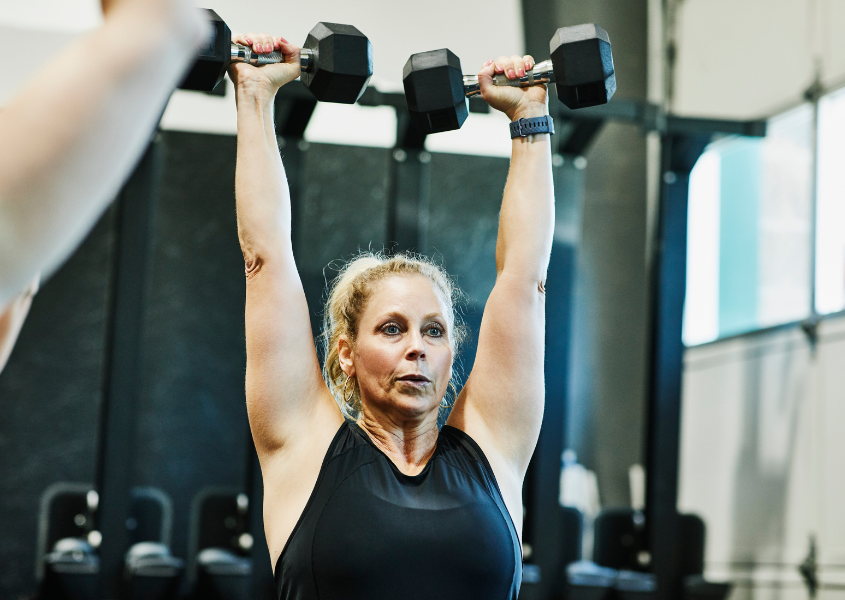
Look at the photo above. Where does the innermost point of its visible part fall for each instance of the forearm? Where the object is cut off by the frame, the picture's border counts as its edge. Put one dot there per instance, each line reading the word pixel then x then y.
pixel 526 222
pixel 261 189
pixel 74 132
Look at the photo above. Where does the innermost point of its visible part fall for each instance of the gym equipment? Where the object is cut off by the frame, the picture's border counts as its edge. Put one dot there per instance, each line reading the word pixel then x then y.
pixel 152 572
pixel 581 67
pixel 71 571
pixel 219 545
pixel 336 60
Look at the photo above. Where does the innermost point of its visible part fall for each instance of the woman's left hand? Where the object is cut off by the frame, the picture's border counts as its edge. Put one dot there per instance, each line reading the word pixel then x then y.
pixel 515 102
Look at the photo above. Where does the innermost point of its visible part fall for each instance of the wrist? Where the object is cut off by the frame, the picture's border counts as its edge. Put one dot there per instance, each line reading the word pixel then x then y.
pixel 529 111
pixel 254 92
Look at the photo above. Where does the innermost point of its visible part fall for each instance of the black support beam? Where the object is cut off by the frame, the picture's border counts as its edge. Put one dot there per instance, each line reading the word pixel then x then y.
pixel 116 456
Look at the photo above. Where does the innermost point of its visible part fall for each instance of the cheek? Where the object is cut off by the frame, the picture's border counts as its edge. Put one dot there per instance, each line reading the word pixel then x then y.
pixel 378 359
pixel 443 362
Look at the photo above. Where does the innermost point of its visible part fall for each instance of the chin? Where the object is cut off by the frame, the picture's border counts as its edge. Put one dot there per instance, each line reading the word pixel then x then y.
pixel 414 406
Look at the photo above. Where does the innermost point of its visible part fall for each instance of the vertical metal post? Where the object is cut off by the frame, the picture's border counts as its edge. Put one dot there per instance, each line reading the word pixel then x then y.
pixel 410 173
pixel 407 220
pixel 122 373
pixel 680 153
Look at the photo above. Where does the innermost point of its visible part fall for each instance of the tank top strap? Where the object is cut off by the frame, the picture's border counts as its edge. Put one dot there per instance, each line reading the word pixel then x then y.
pixel 461 441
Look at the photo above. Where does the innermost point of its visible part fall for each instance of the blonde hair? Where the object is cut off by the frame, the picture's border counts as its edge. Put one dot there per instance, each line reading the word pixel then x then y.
pixel 348 296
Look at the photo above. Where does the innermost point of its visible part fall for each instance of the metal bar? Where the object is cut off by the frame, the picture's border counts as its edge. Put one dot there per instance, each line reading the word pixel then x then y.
pixel 408 204
pixel 122 372
pixel 293 108
pixel 680 152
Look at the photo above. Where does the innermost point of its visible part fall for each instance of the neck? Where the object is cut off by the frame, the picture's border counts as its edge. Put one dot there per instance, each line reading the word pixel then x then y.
pixel 408 444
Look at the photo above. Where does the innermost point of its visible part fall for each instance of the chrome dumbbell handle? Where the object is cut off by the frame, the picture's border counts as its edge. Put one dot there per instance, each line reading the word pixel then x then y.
pixel 247 55
pixel 540 74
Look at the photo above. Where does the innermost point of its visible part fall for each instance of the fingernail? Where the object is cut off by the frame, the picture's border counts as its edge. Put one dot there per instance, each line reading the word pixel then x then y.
pixel 248 41
pixel 268 47
pixel 499 69
pixel 284 41
pixel 527 66
pixel 521 72
pixel 488 63
pixel 511 74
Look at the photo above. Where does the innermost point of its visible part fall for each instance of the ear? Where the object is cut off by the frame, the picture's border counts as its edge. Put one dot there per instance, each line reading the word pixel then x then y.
pixel 345 356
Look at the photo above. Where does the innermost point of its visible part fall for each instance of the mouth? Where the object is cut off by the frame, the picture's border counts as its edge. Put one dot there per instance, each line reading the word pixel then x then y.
pixel 415 380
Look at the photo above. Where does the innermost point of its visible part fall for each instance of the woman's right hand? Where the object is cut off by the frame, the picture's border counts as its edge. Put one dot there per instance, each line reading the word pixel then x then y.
pixel 268 78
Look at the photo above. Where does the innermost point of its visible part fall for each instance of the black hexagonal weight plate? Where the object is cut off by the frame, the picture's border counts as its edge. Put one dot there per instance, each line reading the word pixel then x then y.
pixel 213 57
pixel 434 90
pixel 583 65
pixel 343 63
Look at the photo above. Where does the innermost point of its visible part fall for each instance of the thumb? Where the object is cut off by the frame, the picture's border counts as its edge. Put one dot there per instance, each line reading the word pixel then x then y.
pixel 291 52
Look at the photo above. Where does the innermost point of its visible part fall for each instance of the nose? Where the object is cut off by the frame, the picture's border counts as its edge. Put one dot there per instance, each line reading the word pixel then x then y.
pixel 416 346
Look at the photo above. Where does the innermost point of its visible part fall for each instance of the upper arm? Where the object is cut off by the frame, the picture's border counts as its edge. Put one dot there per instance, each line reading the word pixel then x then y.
pixel 501 405
pixel 284 387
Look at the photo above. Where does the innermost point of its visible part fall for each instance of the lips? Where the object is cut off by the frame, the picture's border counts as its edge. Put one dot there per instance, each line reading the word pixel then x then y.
pixel 415 379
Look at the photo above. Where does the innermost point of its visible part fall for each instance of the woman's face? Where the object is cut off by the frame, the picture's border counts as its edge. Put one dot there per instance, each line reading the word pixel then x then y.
pixel 402 357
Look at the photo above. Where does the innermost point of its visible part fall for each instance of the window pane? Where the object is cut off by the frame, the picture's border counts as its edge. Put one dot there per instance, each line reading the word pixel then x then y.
pixel 830 223
pixel 748 253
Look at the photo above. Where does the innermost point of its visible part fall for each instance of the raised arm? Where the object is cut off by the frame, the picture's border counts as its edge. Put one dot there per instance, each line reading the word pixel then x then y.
pixel 73 133
pixel 285 391
pixel 501 405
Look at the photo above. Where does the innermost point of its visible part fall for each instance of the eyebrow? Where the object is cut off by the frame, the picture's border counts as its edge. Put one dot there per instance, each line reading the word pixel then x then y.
pixel 430 316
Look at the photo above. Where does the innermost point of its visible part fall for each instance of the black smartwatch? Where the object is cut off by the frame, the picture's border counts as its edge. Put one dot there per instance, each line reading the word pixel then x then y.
pixel 526 127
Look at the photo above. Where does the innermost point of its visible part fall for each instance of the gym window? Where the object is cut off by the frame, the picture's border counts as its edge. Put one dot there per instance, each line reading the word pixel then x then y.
pixel 830 199
pixel 750 231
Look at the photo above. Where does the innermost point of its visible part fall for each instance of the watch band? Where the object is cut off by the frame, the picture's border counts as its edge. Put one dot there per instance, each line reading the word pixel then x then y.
pixel 526 127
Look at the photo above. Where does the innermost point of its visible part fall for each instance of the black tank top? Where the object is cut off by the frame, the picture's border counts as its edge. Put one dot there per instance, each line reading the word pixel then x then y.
pixel 370 532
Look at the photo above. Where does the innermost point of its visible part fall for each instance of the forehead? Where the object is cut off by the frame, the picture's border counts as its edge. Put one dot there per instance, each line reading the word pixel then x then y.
pixel 405 293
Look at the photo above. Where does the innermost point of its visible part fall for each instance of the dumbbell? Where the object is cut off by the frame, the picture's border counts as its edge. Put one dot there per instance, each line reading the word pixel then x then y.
pixel 581 67
pixel 336 60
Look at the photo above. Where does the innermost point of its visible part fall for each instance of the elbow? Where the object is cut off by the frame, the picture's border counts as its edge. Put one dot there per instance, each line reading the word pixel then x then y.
pixel 253 263
pixel 524 283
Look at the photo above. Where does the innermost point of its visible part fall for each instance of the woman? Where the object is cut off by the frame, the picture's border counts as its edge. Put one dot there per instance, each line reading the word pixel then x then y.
pixel 382 504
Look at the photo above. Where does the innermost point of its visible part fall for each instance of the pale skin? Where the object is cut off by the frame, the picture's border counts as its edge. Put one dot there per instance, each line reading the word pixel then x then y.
pixel 402 353
pixel 73 133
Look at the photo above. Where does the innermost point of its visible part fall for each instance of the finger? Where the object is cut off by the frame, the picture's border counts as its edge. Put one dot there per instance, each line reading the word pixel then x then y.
pixel 501 65
pixel 261 42
pixel 242 39
pixel 487 71
pixel 290 51
pixel 529 62
pixel 252 40
pixel 265 43
pixel 518 66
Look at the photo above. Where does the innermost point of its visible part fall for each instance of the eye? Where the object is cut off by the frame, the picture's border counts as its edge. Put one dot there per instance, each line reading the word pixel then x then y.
pixel 391 329
pixel 434 331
